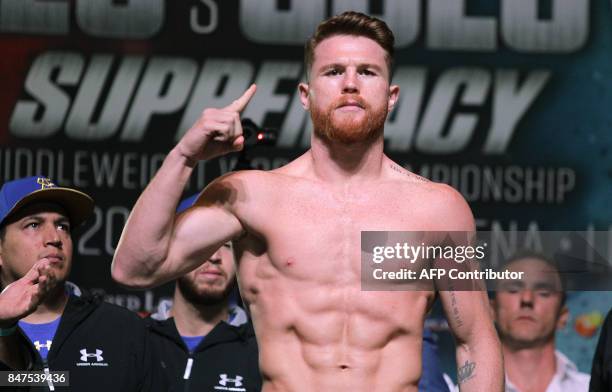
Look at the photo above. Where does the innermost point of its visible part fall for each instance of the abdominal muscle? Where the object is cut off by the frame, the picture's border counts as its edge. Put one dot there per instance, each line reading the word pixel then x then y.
pixel 332 336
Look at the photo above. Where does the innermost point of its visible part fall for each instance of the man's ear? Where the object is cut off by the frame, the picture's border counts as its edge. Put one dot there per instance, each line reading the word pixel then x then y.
pixel 393 97
pixel 563 317
pixel 304 90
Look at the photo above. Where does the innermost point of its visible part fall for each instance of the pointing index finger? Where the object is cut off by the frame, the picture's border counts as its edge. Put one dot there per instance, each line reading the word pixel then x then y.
pixel 239 104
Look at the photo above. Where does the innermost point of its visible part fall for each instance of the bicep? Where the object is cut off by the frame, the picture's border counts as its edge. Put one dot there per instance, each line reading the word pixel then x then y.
pixel 464 300
pixel 202 229
pixel 198 233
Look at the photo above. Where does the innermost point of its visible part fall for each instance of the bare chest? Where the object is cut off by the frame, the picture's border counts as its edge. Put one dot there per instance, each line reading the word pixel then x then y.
pixel 313 234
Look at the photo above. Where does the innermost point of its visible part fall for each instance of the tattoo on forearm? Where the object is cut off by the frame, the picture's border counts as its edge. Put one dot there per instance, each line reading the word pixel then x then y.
pixel 454 307
pixel 407 173
pixel 466 372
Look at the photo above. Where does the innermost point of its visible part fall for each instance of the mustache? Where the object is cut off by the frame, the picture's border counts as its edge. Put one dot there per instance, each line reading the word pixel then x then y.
pixel 350 100
pixel 206 268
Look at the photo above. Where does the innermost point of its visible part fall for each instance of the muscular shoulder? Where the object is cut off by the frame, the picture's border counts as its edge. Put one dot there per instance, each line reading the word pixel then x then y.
pixel 234 187
pixel 454 212
pixel 244 191
pixel 445 204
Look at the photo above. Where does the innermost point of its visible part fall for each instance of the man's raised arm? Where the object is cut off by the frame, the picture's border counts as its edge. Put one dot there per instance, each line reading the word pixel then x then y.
pixel 155 245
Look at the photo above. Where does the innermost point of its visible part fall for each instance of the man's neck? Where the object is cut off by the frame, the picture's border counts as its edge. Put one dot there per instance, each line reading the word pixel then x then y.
pixel 530 369
pixel 337 162
pixel 51 308
pixel 197 319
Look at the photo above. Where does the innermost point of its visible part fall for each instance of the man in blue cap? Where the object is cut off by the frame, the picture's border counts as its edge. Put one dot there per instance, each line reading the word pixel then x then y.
pixel 102 346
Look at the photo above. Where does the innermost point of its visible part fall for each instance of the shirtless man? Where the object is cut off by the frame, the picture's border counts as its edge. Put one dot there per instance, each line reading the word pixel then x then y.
pixel 296 232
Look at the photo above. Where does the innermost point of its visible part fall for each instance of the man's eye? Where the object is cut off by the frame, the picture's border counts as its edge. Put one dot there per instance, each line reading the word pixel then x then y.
pixel 64 226
pixel 512 289
pixel 544 293
pixel 32 225
pixel 333 72
pixel 367 72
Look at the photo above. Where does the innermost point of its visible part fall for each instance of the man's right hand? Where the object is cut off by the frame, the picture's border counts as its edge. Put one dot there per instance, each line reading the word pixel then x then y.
pixel 216 132
pixel 22 297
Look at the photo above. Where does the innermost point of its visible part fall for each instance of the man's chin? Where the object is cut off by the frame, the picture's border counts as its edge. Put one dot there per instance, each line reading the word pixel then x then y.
pixel 526 339
pixel 349 127
pixel 210 297
pixel 204 294
pixel 349 133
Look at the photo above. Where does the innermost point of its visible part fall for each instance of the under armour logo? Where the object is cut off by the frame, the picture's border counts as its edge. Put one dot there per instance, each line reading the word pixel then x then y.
pixel 45 183
pixel 223 380
pixel 38 345
pixel 97 355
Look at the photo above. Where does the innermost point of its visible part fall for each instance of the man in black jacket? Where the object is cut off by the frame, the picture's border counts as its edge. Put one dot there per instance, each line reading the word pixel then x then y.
pixel 204 341
pixel 102 346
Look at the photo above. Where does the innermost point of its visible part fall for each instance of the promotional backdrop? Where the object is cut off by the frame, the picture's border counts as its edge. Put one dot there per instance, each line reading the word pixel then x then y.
pixel 508 101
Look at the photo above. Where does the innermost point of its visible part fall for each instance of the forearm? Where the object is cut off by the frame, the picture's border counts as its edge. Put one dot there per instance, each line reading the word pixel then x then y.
pixel 480 363
pixel 145 239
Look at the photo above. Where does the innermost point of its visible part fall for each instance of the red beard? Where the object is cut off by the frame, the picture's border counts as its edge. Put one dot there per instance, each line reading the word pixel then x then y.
pixel 348 130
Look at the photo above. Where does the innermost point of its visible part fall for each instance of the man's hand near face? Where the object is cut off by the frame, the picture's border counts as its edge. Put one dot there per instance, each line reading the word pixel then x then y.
pixel 22 297
pixel 18 300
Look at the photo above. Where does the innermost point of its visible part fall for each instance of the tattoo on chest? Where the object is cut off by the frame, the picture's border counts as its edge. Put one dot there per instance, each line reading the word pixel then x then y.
pixel 407 173
pixel 466 371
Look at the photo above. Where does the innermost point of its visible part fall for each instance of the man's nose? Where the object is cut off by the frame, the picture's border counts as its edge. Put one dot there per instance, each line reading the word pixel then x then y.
pixel 527 298
pixel 215 258
pixel 350 82
pixel 52 236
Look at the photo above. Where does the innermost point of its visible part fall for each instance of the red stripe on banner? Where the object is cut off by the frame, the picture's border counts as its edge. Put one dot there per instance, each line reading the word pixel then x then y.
pixel 17 54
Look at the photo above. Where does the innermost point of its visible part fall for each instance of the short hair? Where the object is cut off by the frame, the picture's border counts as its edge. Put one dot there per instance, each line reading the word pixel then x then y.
pixel 351 23
pixel 531 254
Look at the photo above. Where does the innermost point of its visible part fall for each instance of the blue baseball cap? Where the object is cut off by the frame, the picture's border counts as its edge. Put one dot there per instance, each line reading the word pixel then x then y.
pixel 17 193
